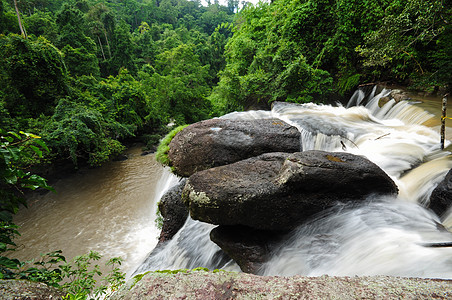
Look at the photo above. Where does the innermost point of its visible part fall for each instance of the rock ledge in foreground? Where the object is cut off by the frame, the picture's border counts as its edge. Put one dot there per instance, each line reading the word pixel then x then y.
pixel 23 289
pixel 229 285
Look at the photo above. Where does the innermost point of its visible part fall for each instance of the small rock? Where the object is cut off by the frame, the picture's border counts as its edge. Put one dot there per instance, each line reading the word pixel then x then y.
pixel 441 198
pixel 173 210
pixel 248 247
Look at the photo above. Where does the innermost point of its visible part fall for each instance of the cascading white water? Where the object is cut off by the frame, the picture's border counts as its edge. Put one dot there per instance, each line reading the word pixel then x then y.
pixel 381 237
pixel 190 248
pixel 384 236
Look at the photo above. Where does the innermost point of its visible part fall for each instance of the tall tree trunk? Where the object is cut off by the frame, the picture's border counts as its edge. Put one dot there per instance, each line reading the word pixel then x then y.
pixel 108 44
pixel 101 47
pixel 22 31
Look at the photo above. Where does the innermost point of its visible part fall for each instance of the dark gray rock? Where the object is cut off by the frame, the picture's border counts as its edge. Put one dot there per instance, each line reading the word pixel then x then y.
pixel 248 247
pixel 218 142
pixel 278 191
pixel 441 198
pixel 396 95
pixel 173 210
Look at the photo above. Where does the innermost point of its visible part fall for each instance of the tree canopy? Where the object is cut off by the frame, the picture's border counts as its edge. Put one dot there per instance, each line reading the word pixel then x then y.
pixel 87 75
pixel 304 50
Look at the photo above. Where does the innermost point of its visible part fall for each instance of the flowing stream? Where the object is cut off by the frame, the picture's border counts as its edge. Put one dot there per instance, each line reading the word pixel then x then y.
pixel 112 209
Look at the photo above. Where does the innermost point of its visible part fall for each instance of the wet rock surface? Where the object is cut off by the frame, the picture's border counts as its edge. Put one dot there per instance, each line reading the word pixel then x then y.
pixel 248 247
pixel 173 210
pixel 279 191
pixel 441 198
pixel 229 285
pixel 396 95
pixel 218 142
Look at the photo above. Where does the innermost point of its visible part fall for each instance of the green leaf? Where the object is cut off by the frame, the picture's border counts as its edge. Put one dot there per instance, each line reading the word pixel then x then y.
pixel 11 179
pixel 15 153
pixel 6 155
pixel 36 150
pixel 15 134
pixel 9 263
pixel 42 144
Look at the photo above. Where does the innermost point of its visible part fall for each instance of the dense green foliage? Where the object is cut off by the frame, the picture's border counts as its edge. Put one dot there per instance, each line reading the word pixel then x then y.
pixel 304 50
pixel 91 74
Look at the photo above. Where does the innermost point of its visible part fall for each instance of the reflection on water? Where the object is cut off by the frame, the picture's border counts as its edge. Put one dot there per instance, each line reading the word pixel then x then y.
pixel 110 210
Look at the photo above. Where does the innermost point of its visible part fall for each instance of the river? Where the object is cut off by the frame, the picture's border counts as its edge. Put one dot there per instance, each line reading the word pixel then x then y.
pixel 112 209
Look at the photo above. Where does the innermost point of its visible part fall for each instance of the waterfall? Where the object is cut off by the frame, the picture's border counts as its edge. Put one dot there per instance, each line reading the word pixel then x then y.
pixel 383 236
pixel 190 248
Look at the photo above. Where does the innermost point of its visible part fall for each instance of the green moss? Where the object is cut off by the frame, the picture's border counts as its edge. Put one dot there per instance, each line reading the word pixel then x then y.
pixel 159 218
pixel 137 278
pixel 170 272
pixel 181 271
pixel 162 151
pixel 201 269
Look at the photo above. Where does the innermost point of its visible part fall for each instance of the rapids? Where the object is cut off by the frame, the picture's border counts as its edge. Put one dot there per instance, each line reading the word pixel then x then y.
pixel 384 236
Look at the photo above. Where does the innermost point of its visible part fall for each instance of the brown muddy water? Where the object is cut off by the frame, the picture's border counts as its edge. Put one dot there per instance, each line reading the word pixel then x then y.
pixel 109 210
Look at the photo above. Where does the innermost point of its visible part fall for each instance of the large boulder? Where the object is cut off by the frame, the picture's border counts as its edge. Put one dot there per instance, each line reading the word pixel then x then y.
pixel 278 191
pixel 218 142
pixel 441 198
pixel 173 211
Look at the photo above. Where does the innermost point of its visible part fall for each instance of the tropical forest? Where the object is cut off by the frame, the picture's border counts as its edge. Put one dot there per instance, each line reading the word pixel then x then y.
pixel 83 80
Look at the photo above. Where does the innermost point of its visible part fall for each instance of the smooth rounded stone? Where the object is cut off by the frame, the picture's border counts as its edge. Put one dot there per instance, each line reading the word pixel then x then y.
pixel 278 191
pixel 441 198
pixel 173 211
pixel 218 142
